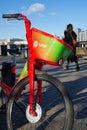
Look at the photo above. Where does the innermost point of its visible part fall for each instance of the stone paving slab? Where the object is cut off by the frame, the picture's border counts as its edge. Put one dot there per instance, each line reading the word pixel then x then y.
pixel 76 83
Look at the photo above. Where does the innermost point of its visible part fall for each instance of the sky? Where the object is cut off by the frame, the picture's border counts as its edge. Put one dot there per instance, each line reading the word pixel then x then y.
pixel 51 16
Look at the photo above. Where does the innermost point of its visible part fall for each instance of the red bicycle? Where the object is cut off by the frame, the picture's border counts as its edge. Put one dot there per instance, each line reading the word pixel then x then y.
pixel 39 101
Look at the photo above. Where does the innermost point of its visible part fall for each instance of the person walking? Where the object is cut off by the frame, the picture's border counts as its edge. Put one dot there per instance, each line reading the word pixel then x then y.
pixel 71 38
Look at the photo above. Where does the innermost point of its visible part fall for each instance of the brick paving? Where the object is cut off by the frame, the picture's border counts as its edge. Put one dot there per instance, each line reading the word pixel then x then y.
pixel 75 82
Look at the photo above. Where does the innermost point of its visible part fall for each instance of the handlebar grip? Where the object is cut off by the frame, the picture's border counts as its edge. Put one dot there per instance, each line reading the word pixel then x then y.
pixel 11 15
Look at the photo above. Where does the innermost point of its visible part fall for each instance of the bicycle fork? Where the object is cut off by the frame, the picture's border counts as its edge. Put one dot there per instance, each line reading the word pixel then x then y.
pixel 39 88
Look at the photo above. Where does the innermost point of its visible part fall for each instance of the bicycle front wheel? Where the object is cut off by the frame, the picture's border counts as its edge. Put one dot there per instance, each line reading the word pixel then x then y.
pixel 55 111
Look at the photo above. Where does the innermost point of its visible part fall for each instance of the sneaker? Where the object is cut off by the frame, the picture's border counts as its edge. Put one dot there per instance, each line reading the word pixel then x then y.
pixel 66 67
pixel 77 68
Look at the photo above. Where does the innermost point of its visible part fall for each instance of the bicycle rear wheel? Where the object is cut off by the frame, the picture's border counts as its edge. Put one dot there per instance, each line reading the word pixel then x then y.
pixel 56 107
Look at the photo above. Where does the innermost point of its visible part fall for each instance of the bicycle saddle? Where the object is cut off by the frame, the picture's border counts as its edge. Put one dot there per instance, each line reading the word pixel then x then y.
pixel 13 50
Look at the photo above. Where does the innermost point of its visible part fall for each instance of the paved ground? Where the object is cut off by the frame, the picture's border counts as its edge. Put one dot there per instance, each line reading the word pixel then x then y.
pixel 75 82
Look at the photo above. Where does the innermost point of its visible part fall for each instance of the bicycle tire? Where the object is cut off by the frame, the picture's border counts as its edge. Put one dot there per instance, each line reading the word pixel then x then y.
pixel 54 110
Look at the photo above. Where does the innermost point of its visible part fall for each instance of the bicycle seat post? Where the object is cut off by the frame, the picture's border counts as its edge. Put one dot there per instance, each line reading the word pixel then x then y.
pixel 14 59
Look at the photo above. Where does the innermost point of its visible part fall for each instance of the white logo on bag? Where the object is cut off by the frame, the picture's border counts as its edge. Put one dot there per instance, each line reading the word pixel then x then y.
pixel 36 44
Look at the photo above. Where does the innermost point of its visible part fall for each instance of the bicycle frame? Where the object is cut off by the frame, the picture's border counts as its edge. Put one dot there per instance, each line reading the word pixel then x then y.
pixel 10 89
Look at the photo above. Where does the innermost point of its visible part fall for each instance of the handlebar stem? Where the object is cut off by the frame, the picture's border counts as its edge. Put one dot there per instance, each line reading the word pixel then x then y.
pixel 28 30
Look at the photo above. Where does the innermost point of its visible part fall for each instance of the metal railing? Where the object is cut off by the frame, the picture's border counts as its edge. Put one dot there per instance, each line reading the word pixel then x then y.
pixel 82 44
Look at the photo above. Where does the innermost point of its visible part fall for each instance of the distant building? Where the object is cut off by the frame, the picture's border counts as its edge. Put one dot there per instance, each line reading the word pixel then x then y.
pixel 6 43
pixel 13 41
pixel 81 35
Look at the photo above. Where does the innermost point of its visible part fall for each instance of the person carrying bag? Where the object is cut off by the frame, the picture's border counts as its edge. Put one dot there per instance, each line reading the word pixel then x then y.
pixel 71 38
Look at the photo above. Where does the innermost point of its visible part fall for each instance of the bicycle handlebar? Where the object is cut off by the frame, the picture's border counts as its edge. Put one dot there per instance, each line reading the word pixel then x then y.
pixel 12 16
pixel 21 17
